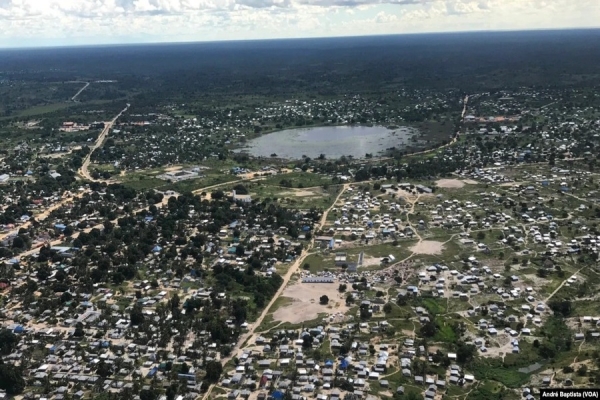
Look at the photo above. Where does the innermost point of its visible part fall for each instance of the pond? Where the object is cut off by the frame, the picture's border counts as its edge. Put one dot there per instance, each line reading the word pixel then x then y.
pixel 332 141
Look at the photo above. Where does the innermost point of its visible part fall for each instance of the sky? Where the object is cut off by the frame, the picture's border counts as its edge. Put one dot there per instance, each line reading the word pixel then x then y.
pixel 33 23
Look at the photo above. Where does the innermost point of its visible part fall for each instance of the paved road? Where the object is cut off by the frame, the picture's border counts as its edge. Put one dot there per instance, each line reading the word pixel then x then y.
pixel 83 171
pixel 291 271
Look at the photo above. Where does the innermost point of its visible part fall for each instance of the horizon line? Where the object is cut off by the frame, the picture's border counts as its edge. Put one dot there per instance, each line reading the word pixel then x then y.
pixel 183 42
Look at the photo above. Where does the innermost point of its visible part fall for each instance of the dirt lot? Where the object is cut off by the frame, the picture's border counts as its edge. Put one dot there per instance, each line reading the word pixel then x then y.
pixel 300 193
pixel 428 247
pixel 371 261
pixel 454 183
pixel 450 183
pixel 305 305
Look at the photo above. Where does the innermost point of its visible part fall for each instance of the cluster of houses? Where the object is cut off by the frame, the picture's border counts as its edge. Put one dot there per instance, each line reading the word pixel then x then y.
pixel 280 363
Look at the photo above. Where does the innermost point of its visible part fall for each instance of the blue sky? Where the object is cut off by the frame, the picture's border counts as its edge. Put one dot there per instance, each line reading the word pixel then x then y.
pixel 25 23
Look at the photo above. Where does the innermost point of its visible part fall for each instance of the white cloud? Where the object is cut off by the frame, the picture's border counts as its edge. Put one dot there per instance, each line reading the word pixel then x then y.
pixel 106 21
pixel 383 18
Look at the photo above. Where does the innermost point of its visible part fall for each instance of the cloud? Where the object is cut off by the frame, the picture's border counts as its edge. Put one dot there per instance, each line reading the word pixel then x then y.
pixel 106 21
pixel 383 18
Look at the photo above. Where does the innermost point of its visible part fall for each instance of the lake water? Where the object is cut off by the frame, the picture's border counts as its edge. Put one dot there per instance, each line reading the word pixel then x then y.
pixel 333 141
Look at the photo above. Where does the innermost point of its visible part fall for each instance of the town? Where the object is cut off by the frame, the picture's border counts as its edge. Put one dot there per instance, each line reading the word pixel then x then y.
pixel 147 252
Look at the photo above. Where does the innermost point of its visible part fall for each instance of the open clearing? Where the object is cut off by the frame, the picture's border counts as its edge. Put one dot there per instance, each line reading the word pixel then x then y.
pixel 430 247
pixel 300 193
pixel 305 302
pixel 453 183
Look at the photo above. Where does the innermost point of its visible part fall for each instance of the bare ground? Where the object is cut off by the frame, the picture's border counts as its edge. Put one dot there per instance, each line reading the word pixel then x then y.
pixel 450 183
pixel 371 261
pixel 305 302
pixel 430 247
pixel 300 193
pixel 454 183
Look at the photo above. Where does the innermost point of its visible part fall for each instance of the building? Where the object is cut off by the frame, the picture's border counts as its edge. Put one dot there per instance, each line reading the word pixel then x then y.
pixel 423 189
pixel 244 198
pixel 318 279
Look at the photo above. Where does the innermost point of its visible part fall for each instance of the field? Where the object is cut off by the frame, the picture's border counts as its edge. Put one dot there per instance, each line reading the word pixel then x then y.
pixel 304 304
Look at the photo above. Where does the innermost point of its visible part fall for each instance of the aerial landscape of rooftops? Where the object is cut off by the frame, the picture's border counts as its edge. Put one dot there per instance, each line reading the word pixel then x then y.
pixel 372 217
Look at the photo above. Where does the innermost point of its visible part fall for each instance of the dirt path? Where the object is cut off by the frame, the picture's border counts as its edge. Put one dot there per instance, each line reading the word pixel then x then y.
pixel 80 90
pixel 292 270
pixel 83 171
pixel 41 216
pixel 560 286
pixel 464 111
pixel 75 235
pixel 204 189
pixel 243 179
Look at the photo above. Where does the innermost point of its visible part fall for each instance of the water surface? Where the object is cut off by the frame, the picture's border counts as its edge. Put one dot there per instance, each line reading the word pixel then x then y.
pixel 333 141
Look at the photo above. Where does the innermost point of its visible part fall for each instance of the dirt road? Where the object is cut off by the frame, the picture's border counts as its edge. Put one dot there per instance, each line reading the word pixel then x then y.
pixel 83 171
pixel 464 111
pixel 75 235
pixel 42 216
pixel 80 91
pixel 292 270
pixel 560 286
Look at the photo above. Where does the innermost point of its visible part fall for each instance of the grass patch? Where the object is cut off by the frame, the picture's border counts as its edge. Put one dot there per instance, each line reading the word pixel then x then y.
pixel 298 180
pixel 492 370
pixel 384 250
pixel 434 305
pixel 397 312
pixel 267 324
pixel 144 184
pixel 200 183
pixel 445 334
pixel 405 324
pixel 583 308
pixel 45 109
pixel 320 262
pixel 281 301
pixel 218 391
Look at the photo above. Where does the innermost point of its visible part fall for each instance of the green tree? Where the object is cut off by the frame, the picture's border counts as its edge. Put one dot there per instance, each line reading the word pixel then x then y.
pixel 79 332
pixel 136 315
pixel 8 341
pixel 428 329
pixel 214 369
pixel 11 379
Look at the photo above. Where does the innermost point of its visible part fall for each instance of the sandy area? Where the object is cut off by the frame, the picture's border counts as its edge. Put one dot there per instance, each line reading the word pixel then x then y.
pixel 454 183
pixel 55 155
pixel 299 193
pixel 371 261
pixel 428 247
pixel 249 175
pixel 305 302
